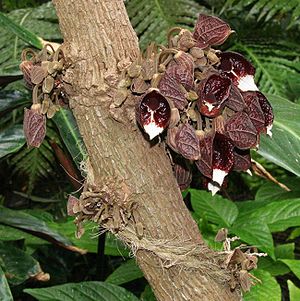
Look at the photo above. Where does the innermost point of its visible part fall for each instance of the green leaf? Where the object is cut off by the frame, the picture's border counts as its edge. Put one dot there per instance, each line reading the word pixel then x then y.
pixel 294 234
pixel 147 294
pixel 269 289
pixel 25 221
pixel 18 265
pixel 83 291
pixel 42 21
pixel 294 291
pixel 5 293
pixel 12 99
pixel 278 215
pixel 35 163
pixel 272 192
pixel 11 140
pixel 20 31
pixel 126 272
pixel 284 147
pixel 152 19
pixel 294 265
pixel 216 209
pixel 69 132
pixel 89 239
pixel 285 251
pixel 275 268
pixel 255 234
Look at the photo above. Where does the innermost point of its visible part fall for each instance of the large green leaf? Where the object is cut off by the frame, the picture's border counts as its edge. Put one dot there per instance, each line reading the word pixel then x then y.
pixel 89 240
pixel 152 19
pixel 147 294
pixel 294 291
pixel 272 192
pixel 126 272
pixel 277 215
pixel 285 251
pixel 83 291
pixel 20 31
pixel 269 289
pixel 69 132
pixel 12 99
pixel 275 268
pixel 11 140
pixel 18 265
pixel 26 221
pixel 269 9
pixel 42 21
pixel 284 147
pixel 256 234
pixel 35 163
pixel 294 265
pixel 216 209
pixel 5 293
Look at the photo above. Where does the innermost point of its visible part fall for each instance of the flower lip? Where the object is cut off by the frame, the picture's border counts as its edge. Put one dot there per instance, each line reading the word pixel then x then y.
pixel 153 113
pixel 236 67
pixel 213 94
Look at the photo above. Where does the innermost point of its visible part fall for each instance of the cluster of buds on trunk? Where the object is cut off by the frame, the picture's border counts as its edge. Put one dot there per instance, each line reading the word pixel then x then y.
pixel 43 72
pixel 205 100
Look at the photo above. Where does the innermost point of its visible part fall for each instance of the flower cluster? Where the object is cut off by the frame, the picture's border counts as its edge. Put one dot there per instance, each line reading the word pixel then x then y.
pixel 205 99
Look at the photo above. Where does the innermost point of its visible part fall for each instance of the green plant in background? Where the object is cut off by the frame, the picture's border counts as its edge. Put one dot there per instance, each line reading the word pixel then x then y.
pixel 268 218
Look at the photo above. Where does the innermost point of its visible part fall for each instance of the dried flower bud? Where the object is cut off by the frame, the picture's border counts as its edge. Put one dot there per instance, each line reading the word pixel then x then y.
pixel 183 174
pixel 238 69
pixel 34 126
pixel 212 95
pixel 241 131
pixel 26 67
pixel 153 113
pixel 196 52
pixel 171 139
pixel 37 74
pixel 139 86
pixel 185 40
pixel 210 31
pixel 187 142
pixel 222 161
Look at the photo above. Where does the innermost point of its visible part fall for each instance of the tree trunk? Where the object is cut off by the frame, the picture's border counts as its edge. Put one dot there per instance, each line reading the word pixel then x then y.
pixel 99 42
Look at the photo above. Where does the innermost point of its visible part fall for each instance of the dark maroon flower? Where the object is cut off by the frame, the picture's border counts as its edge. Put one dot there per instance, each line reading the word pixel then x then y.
pixel 187 142
pixel 222 161
pixel 210 31
pixel 268 112
pixel 170 85
pixel 242 159
pixel 204 164
pixel 254 110
pixel 235 100
pixel 212 95
pixel 238 69
pixel 153 113
pixel 34 126
pixel 241 131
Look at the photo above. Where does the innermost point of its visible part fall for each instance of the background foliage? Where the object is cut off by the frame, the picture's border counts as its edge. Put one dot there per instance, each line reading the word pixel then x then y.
pixel 36 236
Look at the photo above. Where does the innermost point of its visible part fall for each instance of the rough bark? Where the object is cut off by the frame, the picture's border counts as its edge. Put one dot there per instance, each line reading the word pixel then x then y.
pixel 98 42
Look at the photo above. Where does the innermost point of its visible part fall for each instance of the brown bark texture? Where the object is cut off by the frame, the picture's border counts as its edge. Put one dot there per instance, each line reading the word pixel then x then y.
pixel 99 43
